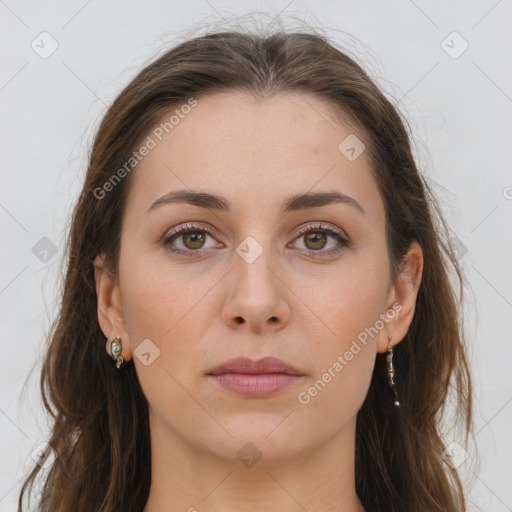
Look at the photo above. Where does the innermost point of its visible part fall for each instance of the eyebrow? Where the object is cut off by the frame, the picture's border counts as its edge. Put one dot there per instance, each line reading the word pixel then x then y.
pixel 293 203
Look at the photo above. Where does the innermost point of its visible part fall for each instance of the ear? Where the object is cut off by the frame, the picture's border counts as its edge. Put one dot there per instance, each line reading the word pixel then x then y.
pixel 403 296
pixel 110 310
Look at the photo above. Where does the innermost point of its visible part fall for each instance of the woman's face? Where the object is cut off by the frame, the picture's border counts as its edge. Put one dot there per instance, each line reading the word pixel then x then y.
pixel 247 281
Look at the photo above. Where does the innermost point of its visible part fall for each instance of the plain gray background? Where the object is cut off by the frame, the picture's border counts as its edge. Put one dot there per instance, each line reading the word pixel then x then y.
pixel 458 101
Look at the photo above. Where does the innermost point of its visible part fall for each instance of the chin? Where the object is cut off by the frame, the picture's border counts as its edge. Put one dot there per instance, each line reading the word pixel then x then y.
pixel 263 436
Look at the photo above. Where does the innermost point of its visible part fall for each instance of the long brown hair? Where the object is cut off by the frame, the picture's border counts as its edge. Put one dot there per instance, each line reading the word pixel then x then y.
pixel 100 428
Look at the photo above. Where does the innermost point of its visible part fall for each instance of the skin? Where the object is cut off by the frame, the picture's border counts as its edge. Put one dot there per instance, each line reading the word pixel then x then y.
pixel 306 311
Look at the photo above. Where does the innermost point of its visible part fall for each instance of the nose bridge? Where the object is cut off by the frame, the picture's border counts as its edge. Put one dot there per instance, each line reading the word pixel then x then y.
pixel 255 270
pixel 258 296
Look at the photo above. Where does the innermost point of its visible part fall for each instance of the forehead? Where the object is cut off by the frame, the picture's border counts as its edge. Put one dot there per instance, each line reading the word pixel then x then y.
pixel 252 150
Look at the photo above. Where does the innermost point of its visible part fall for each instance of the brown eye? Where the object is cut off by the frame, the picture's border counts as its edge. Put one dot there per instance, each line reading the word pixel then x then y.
pixel 193 239
pixel 189 240
pixel 321 241
pixel 315 240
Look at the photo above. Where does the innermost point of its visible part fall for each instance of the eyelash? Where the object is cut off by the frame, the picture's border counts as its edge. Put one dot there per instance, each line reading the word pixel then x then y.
pixel 311 228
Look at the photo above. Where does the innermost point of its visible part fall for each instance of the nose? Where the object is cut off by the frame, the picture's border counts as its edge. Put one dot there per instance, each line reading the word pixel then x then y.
pixel 258 298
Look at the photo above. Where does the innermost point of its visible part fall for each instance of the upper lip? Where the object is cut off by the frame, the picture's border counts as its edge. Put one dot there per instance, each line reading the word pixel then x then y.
pixel 252 366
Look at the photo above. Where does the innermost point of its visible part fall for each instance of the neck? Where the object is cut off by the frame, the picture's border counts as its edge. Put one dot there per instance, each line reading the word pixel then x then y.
pixel 187 478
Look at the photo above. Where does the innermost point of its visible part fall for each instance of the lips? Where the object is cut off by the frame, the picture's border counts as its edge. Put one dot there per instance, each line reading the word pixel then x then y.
pixel 265 365
pixel 250 378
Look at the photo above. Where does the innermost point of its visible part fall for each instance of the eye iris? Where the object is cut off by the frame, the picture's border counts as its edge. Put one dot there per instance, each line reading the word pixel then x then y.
pixel 195 237
pixel 315 238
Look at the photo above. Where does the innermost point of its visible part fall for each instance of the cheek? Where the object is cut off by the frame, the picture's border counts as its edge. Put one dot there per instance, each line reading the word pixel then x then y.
pixel 349 306
pixel 334 399
pixel 156 298
pixel 169 306
pixel 345 353
pixel 162 305
pixel 346 300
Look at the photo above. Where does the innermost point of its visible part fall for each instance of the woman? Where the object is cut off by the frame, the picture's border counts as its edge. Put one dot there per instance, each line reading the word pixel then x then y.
pixel 257 312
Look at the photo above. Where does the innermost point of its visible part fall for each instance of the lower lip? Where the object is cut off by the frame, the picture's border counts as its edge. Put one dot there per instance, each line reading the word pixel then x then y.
pixel 256 385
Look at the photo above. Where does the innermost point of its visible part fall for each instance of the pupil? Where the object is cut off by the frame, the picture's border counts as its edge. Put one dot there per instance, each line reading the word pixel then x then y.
pixel 195 238
pixel 315 238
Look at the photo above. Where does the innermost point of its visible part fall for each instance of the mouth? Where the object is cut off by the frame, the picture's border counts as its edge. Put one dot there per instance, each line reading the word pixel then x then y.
pixel 255 378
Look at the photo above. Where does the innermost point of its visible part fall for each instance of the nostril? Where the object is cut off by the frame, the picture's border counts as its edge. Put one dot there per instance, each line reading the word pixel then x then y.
pixel 239 320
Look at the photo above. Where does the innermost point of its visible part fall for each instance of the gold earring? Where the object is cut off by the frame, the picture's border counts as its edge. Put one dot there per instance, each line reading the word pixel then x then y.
pixel 391 370
pixel 116 352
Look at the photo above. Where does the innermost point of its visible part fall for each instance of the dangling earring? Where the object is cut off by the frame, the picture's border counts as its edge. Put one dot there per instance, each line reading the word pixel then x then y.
pixel 391 370
pixel 116 352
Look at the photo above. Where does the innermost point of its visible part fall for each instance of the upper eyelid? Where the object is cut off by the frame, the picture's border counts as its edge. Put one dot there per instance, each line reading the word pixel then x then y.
pixel 311 226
